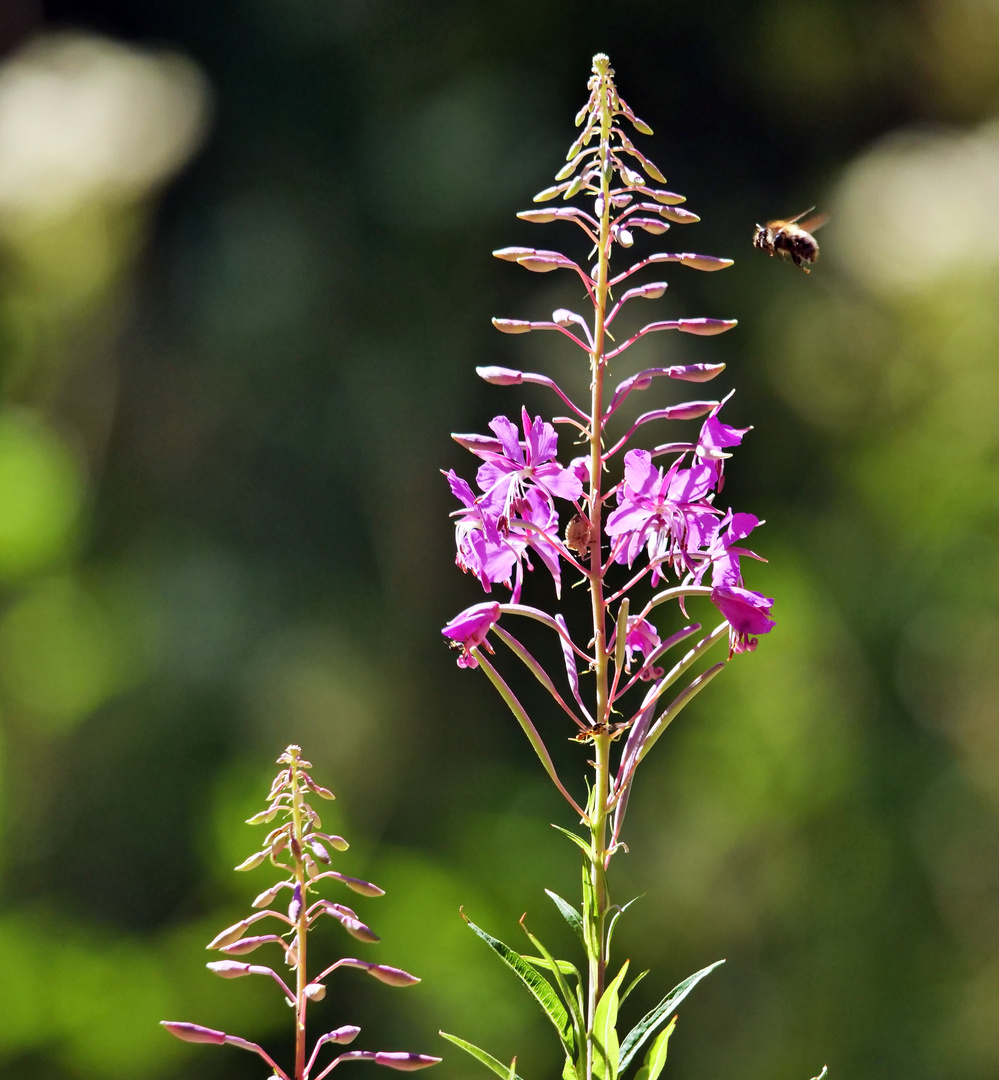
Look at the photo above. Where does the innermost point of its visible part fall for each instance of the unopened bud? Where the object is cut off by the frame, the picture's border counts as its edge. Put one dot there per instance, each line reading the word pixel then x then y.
pixel 500 376
pixel 393 976
pixel 229 969
pixel 343 1035
pixel 194 1033
pixel 706 327
pixel 320 852
pixel 295 907
pixel 624 238
pixel 315 991
pixel 679 215
pixel 512 326
pixel 253 861
pixel 403 1061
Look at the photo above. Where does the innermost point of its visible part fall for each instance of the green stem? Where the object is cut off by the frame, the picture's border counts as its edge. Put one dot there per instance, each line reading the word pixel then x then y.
pixel 301 1001
pixel 596 903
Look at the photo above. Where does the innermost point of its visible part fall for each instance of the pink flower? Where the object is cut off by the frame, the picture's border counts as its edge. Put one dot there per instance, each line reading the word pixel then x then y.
pixel 469 629
pixel 667 513
pixel 508 475
pixel 714 440
pixel 747 614
pixel 642 638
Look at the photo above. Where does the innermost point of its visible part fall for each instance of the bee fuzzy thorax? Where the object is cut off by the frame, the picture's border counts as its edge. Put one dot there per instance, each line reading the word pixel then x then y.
pixel 789 240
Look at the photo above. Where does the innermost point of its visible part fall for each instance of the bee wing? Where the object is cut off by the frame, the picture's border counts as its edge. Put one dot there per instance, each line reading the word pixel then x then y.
pixel 798 217
pixel 814 222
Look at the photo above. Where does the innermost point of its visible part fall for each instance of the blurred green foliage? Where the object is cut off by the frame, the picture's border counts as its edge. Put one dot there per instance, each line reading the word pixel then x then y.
pixel 222 529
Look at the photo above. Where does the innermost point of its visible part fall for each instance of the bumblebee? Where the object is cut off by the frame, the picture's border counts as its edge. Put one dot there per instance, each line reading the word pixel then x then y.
pixel 791 240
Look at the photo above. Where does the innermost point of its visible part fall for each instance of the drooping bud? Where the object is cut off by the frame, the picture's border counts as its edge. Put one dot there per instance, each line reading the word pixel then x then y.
pixel 268 896
pixel 194 1033
pixel 392 976
pixel 295 907
pixel 253 861
pixel 228 935
pixel 248 944
pixel 706 327
pixel 512 326
pixel 320 852
pixel 315 992
pixel 230 969
pixel 675 214
pixel 403 1061
pixel 343 1035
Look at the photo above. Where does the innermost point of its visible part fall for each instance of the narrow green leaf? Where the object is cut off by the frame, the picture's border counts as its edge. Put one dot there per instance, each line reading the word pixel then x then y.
pixel 577 840
pixel 488 1060
pixel 631 986
pixel 605 1059
pixel 538 986
pixel 636 1038
pixel 655 1059
pixel 568 912
pixel 569 1070
pixel 615 915
pixel 563 965
pixel 512 1074
pixel 555 966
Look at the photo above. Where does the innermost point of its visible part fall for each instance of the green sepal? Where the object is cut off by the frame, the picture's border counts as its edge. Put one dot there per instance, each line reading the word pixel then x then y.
pixel 538 986
pixel 606 1050
pixel 568 912
pixel 488 1060
pixel 621 639
pixel 636 1038
pixel 655 1059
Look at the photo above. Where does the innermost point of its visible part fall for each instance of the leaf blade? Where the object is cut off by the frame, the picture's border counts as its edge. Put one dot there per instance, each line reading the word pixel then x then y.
pixel 568 912
pixel 605 1061
pixel 636 1038
pixel 537 985
pixel 487 1059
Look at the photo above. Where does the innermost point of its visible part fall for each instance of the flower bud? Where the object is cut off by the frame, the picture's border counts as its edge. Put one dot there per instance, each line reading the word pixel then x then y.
pixel 666 198
pixel 621 199
pixel 706 327
pixel 315 992
pixel 320 852
pixel 500 376
pixel 268 896
pixel 248 944
pixel 624 238
pixel 253 861
pixel 393 976
pixel 343 1035
pixel 228 935
pixel 681 217
pixel 539 217
pixel 229 969
pixel 403 1061
pixel 295 907
pixel 512 326
pixel 194 1033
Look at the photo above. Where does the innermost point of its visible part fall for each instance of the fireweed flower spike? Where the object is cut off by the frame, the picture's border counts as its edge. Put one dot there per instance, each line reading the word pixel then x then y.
pixel 619 525
pixel 298 848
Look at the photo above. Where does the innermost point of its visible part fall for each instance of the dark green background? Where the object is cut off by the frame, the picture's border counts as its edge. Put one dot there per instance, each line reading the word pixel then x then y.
pixel 247 535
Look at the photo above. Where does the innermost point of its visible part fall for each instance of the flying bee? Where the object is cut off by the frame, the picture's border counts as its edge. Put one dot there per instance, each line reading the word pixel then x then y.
pixel 790 240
